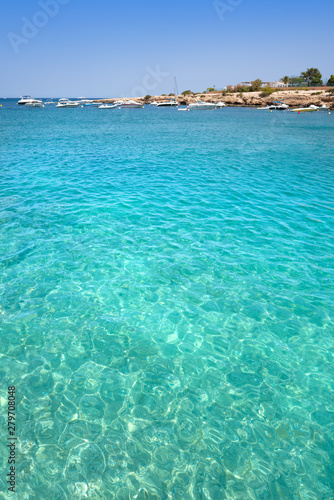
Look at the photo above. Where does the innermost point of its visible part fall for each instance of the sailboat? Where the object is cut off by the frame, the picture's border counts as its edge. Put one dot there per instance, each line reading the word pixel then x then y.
pixel 170 103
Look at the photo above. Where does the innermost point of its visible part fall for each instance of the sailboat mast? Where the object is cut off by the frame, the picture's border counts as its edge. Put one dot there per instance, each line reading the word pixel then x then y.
pixel 176 90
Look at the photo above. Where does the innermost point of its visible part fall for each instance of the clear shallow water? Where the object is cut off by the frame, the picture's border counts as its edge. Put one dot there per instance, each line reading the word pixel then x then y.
pixel 167 306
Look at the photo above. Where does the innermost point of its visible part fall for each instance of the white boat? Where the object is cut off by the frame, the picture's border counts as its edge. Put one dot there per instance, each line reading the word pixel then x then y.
pixel 278 105
pixel 166 104
pixel 69 104
pixel 36 104
pixel 107 106
pixel 305 110
pixel 323 108
pixel 27 99
pixel 66 103
pixel 183 109
pixel 153 103
pixel 202 105
pixel 131 104
pixel 220 104
pixel 49 101
pixel 63 100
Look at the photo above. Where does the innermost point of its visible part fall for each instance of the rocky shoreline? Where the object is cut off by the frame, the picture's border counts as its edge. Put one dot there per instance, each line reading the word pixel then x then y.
pixel 292 97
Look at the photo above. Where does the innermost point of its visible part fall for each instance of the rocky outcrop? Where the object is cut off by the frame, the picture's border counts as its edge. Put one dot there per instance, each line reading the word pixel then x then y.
pixel 292 97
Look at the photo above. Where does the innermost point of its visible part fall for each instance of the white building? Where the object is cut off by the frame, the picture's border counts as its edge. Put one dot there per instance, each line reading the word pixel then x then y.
pixel 275 84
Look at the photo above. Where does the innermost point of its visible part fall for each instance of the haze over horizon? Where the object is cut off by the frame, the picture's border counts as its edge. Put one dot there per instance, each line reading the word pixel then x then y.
pixel 70 48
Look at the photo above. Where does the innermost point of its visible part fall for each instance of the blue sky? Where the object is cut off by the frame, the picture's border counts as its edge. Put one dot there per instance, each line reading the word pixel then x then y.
pixel 111 49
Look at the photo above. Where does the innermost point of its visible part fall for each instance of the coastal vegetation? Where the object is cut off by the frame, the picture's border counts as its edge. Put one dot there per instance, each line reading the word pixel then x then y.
pixel 311 78
pixel 330 81
pixel 266 91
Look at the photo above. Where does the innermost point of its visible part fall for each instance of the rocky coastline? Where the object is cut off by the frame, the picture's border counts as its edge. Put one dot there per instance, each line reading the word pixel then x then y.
pixel 292 97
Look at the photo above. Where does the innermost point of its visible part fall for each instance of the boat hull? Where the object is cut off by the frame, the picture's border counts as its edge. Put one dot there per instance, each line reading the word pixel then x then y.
pixel 304 110
pixel 202 107
pixel 128 106
pixel 106 106
pixel 166 105
pixel 67 105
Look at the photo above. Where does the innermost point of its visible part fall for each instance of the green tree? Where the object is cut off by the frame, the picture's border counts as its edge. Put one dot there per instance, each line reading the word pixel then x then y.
pixel 296 81
pixel 312 77
pixel 186 92
pixel 210 89
pixel 285 79
pixel 330 81
pixel 256 85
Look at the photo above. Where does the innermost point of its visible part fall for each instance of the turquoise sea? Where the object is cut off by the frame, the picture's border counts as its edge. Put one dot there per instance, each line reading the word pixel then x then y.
pixel 167 303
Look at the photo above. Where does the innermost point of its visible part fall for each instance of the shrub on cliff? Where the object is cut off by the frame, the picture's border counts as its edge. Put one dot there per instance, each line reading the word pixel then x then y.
pixel 267 91
pixel 242 88
pixel 187 92
pixel 147 97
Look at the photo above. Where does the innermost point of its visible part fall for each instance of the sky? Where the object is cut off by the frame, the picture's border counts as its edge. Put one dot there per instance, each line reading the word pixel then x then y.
pixel 80 48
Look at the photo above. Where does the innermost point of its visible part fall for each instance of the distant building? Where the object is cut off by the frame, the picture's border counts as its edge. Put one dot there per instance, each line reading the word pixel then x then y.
pixel 264 84
pixel 275 84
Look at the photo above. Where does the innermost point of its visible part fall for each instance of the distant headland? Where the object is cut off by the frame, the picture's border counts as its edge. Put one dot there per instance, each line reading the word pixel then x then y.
pixel 291 96
pixel 304 90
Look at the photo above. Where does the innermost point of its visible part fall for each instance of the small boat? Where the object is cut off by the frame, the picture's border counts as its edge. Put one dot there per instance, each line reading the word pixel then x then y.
pixel 220 104
pixel 278 105
pixel 323 108
pixel 49 101
pixel 306 110
pixel 183 109
pixel 36 104
pixel 166 104
pixel 66 103
pixel 27 99
pixel 202 105
pixel 153 103
pixel 107 106
pixel 130 104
